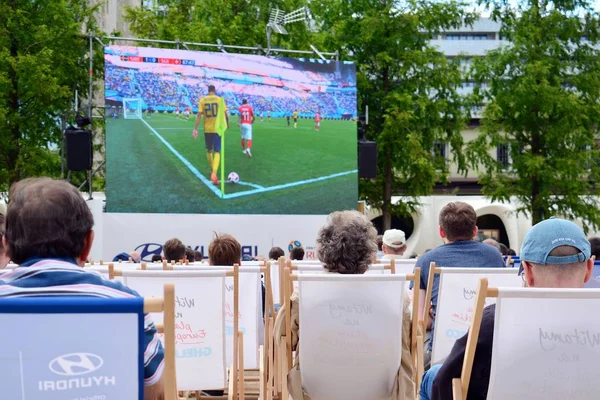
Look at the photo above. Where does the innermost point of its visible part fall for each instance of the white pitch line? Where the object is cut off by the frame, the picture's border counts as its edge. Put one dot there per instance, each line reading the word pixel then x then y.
pixel 288 185
pixel 185 162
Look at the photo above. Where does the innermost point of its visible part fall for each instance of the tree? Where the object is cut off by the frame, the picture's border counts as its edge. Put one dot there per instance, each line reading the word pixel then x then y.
pixel 542 101
pixel 42 62
pixel 410 88
pixel 235 22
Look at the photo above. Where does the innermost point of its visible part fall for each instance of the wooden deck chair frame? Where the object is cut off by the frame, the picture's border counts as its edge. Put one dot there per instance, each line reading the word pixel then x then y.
pixel 508 262
pixel 460 386
pixel 286 359
pixel 166 305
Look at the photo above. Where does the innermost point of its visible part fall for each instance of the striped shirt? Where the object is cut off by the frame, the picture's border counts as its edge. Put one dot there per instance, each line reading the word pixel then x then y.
pixel 53 277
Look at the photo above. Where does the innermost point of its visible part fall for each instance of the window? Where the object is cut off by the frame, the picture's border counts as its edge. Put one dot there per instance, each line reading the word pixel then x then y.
pixel 466 36
pixel 439 149
pixel 503 156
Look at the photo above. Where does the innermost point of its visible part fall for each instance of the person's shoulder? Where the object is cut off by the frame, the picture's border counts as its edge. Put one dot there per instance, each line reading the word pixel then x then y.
pixel 109 288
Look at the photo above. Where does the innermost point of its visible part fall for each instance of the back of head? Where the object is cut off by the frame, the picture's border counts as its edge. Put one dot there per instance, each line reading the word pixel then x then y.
pixel 46 218
pixel 198 256
pixel 503 249
pixel 556 254
pixel 174 250
pixel 297 253
pixel 244 101
pixel 224 250
pixel 156 258
pixel 379 242
pixel 190 255
pixel 458 220
pixel 275 253
pixel 211 89
pixel 346 244
pixel 595 245
pixel 492 243
pixel 394 241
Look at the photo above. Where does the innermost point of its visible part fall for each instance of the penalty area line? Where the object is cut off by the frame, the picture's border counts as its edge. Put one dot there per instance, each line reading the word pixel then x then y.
pixel 184 161
pixel 288 185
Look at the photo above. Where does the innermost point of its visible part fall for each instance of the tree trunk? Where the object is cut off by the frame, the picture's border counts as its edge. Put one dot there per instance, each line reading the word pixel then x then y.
pixel 387 169
pixel 387 191
pixel 537 211
pixel 12 153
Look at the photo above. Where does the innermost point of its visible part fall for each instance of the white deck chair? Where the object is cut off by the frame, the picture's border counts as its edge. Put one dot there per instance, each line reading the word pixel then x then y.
pixel 199 323
pixel 90 346
pixel 456 291
pixel 250 318
pixel 351 340
pixel 546 345
pixel 257 337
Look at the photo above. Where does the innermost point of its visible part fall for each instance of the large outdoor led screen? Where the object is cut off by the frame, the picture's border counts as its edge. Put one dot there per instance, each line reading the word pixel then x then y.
pixel 289 146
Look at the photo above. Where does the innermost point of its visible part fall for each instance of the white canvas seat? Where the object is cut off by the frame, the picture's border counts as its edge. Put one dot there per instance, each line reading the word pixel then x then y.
pixel 250 318
pixel 351 334
pixel 199 322
pixel 456 291
pixel 546 344
pixel 90 347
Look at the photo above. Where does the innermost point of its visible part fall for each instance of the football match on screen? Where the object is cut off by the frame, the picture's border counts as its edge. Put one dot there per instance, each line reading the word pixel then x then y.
pixel 205 132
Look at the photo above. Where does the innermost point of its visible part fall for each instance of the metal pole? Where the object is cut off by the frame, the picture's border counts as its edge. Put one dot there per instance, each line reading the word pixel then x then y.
pixel 91 97
pixel 215 45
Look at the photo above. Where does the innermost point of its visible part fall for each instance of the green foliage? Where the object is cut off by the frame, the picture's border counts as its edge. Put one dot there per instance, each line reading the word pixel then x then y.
pixel 42 62
pixel 542 97
pixel 409 87
pixel 235 22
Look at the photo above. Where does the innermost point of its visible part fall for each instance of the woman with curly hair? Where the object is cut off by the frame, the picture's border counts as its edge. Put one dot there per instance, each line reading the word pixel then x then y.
pixel 347 244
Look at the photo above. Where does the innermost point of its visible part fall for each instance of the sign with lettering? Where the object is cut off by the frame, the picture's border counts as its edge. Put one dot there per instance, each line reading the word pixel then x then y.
pixel 351 334
pixel 546 345
pixel 456 299
pixel 77 356
pixel 199 322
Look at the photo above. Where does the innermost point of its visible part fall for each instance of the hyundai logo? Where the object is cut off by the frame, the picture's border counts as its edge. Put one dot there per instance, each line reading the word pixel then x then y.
pixel 75 364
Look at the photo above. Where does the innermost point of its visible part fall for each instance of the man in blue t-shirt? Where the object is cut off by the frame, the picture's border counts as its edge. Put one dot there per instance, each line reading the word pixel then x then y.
pixel 458 227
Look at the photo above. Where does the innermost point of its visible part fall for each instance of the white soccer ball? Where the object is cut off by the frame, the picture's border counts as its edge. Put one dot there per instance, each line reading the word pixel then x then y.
pixel 233 177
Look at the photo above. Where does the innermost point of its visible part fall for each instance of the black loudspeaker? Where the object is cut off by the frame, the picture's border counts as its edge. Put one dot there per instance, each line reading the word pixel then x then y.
pixel 79 149
pixel 367 160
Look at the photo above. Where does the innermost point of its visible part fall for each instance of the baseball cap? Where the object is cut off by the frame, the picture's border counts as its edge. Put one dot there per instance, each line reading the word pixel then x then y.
pixel 394 238
pixel 550 234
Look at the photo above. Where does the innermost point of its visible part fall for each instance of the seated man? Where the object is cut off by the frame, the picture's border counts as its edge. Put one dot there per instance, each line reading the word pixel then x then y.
pixel 458 227
pixel 49 234
pixel 275 253
pixel 393 244
pixel 174 250
pixel 297 253
pixel 226 250
pixel 555 254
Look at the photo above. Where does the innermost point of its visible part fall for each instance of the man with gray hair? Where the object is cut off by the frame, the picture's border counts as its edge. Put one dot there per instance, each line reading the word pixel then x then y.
pixel 555 254
pixel 394 244
pixel 49 233
pixel 493 243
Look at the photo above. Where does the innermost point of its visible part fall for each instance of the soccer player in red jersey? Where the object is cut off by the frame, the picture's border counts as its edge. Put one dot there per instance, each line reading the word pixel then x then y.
pixel 317 121
pixel 245 121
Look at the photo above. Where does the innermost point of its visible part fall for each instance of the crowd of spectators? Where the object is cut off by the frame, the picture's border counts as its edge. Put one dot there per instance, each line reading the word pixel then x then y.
pixel 166 92
pixel 47 230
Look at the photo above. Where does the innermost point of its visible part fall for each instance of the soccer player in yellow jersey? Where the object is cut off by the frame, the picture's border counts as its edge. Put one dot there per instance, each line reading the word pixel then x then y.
pixel 295 116
pixel 213 108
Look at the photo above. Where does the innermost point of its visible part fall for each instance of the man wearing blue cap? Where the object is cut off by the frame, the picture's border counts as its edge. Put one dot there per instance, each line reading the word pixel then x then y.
pixel 555 254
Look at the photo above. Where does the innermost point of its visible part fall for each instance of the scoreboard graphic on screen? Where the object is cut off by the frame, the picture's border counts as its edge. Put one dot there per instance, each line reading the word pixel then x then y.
pixel 274 135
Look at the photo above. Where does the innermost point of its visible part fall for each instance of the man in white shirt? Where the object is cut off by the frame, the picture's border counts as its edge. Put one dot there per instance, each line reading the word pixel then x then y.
pixel 394 244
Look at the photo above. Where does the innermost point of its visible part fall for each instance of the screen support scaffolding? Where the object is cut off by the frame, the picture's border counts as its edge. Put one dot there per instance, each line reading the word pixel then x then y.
pixel 186 45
